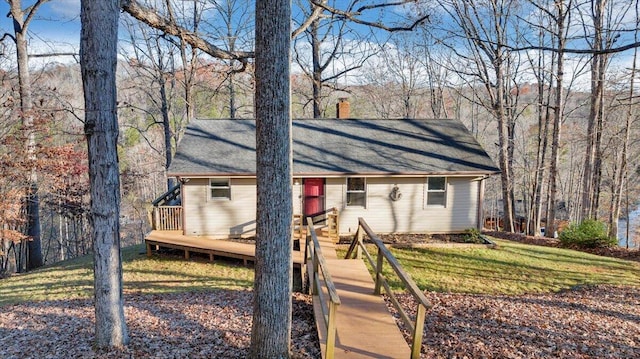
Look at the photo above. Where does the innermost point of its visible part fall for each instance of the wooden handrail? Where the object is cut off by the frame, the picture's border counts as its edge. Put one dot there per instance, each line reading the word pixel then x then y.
pixel 313 252
pixel 172 193
pixel 357 247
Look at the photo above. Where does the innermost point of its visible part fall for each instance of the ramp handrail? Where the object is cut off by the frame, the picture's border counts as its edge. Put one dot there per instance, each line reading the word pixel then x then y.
pixel 357 248
pixel 318 272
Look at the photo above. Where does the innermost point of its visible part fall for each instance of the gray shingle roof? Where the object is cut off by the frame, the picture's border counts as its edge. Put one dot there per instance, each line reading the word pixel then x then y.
pixel 336 147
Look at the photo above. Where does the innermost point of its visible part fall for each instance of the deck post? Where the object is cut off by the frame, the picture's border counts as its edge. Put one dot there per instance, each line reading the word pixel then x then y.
pixel 360 239
pixel 380 261
pixel 331 331
pixel 148 249
pixel 418 328
pixel 186 254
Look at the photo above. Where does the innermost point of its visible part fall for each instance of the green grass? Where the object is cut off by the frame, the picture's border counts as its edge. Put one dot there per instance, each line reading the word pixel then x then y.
pixel 512 269
pixel 74 278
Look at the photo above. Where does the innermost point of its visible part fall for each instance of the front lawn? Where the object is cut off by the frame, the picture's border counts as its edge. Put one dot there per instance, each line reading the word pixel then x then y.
pixel 73 279
pixel 512 268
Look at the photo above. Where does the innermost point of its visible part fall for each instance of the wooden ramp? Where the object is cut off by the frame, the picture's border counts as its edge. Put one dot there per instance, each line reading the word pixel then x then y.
pixel 208 245
pixel 365 327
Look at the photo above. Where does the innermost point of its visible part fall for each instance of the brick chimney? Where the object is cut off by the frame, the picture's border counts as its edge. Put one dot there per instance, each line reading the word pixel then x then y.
pixel 342 108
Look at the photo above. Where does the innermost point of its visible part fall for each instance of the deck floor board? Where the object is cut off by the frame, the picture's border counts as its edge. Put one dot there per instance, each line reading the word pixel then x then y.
pixel 210 245
pixel 365 327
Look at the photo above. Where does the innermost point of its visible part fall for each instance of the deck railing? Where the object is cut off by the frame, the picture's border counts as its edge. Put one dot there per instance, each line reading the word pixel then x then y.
pixel 167 218
pixel 330 217
pixel 317 275
pixel 357 248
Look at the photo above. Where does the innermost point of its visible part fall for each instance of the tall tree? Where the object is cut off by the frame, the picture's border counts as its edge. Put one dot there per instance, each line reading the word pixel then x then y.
pixel 480 39
pixel 154 61
pixel 606 18
pixel 271 330
pixel 21 20
pixel 561 17
pixel 98 60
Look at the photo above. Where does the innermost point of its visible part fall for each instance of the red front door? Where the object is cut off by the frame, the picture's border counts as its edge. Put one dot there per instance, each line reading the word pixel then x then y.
pixel 313 196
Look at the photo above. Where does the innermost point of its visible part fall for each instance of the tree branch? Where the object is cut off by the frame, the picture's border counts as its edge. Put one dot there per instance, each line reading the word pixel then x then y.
pixel 54 54
pixel 151 18
pixel 6 34
pixel 31 11
pixel 352 16
pixel 317 11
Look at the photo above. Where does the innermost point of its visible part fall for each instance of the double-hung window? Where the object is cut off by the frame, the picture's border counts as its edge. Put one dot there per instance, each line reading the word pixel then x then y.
pixel 220 188
pixel 436 191
pixel 356 192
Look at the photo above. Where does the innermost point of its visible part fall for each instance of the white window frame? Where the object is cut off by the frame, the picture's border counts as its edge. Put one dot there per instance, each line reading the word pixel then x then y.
pixel 219 185
pixel 443 191
pixel 347 192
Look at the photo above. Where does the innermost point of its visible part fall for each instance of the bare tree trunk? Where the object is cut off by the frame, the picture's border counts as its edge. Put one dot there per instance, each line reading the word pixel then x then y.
pixel 98 60
pixel 166 125
pixel 598 65
pixel 271 331
pixel 558 113
pixel 620 171
pixel 21 22
pixel 503 154
pixel 317 69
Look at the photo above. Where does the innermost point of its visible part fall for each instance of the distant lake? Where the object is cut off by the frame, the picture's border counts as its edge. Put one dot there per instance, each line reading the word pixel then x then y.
pixel 634 225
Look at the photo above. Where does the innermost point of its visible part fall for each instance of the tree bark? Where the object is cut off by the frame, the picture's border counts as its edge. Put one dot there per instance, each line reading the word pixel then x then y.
pixel 558 113
pixel 620 169
pixel 317 69
pixel 98 60
pixel 271 331
pixel 21 22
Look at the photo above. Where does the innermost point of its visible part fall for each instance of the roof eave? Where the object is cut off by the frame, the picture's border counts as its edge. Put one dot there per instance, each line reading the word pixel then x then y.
pixel 344 174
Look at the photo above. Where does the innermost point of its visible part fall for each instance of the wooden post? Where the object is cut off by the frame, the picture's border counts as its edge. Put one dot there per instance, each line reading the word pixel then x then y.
pixel 331 331
pixel 156 218
pixel 360 234
pixel 418 328
pixel 376 291
pixel 316 275
pixel 148 249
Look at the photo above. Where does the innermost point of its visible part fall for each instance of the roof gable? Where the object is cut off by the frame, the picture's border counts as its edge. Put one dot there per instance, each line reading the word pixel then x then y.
pixel 336 147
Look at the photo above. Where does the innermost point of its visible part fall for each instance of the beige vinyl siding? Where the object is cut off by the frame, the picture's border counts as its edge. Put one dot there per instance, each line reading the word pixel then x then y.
pixel 297 196
pixel 236 217
pixel 220 217
pixel 410 213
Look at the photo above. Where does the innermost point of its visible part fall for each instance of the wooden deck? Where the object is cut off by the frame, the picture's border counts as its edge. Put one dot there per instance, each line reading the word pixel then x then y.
pixel 365 327
pixel 208 245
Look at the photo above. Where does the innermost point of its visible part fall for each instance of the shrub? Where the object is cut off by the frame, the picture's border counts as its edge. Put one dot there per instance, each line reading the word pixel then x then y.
pixel 472 235
pixel 588 234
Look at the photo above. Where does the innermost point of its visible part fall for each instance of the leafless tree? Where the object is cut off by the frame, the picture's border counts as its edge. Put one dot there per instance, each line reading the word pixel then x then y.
pixel 98 61
pixel 21 20
pixel 480 40
pixel 271 330
pixel 602 21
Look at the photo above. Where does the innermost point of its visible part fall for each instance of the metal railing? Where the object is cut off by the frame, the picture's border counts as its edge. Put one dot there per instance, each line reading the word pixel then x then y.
pixel 357 248
pixel 317 275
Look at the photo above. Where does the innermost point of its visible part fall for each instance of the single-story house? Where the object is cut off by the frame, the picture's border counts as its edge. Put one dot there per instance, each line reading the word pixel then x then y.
pixel 401 175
